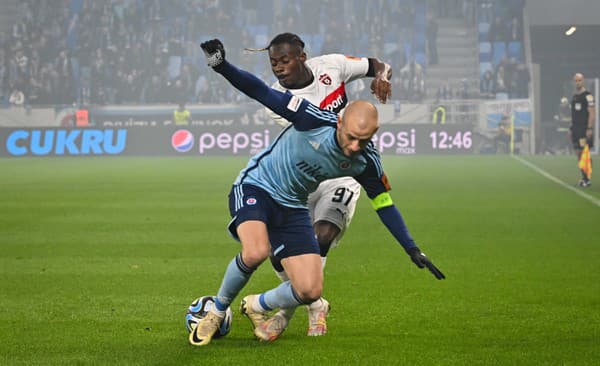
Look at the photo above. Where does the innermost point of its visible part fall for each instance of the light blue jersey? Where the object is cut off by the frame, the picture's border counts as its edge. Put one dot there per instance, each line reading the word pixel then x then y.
pixel 296 162
pixel 305 153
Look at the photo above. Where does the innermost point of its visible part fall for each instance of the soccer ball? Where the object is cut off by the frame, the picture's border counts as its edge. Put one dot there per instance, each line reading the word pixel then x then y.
pixel 198 309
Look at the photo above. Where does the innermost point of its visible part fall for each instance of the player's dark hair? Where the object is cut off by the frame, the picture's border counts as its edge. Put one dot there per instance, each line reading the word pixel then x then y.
pixel 289 38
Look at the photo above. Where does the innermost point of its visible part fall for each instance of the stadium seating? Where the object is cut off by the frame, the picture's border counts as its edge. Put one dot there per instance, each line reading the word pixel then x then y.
pixel 514 50
pixel 483 29
pixel 498 52
pixel 485 52
pixel 485 66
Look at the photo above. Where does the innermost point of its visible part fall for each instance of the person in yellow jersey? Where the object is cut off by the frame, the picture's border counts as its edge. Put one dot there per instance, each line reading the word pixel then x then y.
pixel 182 116
pixel 502 139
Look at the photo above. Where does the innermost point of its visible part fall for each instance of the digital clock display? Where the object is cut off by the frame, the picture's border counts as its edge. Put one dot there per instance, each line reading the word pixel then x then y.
pixel 444 140
pixel 404 139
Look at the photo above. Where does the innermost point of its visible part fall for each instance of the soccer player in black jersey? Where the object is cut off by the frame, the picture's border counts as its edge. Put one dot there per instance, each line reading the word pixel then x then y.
pixel 582 122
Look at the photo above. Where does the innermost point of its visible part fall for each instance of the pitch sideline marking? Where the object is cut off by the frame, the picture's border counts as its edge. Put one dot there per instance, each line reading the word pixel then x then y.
pixel 588 197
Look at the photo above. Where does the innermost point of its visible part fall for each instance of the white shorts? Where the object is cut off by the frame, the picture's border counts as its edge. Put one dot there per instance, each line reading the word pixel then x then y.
pixel 335 201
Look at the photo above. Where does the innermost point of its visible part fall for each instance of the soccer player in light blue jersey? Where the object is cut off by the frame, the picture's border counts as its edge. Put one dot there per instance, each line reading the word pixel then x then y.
pixel 268 199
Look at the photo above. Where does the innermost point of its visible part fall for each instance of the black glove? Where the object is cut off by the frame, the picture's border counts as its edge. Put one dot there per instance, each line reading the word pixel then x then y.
pixel 214 51
pixel 421 260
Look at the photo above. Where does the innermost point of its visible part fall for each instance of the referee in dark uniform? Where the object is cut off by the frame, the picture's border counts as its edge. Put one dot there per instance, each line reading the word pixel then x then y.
pixel 582 122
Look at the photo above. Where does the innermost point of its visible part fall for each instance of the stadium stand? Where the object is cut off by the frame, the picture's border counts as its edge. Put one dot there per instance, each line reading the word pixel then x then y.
pixel 501 49
pixel 135 52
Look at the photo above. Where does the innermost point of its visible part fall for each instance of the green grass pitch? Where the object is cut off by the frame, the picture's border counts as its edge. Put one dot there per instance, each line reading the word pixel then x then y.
pixel 100 257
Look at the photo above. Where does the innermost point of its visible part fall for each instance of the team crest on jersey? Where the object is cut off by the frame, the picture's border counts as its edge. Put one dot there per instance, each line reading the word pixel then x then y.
pixel 325 79
pixel 251 201
pixel 345 164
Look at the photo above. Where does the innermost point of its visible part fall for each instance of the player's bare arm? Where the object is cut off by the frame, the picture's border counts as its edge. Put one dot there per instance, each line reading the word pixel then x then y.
pixel 590 127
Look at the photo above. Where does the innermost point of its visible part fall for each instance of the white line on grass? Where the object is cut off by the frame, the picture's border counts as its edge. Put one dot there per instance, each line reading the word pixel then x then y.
pixel 588 197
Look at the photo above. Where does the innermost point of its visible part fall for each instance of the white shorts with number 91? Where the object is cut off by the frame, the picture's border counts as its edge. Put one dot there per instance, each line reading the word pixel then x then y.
pixel 334 201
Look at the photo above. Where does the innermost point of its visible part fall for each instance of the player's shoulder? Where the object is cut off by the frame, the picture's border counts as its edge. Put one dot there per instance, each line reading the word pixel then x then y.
pixel 330 60
pixel 371 153
pixel 372 158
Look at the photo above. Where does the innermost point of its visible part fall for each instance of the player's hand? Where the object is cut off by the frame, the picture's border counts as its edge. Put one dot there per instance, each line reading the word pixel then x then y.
pixel 421 260
pixel 589 133
pixel 214 52
pixel 381 86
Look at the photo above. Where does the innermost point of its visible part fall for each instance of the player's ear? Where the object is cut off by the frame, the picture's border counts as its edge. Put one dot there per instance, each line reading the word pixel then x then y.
pixel 303 56
pixel 339 121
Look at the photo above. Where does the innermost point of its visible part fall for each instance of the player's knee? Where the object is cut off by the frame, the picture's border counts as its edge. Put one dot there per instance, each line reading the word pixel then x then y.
pixel 309 294
pixel 254 255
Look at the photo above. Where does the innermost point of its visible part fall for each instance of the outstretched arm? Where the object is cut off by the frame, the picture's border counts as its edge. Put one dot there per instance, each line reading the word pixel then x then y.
pixel 375 183
pixel 394 222
pixel 300 112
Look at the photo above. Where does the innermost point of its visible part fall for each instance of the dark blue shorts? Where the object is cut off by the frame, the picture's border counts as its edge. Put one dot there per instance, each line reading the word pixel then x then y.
pixel 290 229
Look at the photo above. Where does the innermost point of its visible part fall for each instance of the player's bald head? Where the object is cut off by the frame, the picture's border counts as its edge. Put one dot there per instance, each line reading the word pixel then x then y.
pixel 356 128
pixel 361 116
pixel 578 76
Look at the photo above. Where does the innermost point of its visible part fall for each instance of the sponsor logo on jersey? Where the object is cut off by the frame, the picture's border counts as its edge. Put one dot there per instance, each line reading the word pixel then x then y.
pixel 313 170
pixel 294 103
pixel 251 201
pixel 336 100
pixel 182 141
pixel 353 58
pixel 325 79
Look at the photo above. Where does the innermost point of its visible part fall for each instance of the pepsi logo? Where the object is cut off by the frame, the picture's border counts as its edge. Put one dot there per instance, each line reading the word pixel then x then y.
pixel 182 140
pixel 251 201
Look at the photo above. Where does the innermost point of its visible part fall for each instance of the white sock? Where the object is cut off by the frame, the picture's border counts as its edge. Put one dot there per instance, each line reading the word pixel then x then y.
pixel 317 304
pixel 256 306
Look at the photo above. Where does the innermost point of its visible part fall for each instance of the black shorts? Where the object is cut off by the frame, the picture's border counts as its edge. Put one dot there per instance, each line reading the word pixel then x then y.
pixel 290 230
pixel 579 139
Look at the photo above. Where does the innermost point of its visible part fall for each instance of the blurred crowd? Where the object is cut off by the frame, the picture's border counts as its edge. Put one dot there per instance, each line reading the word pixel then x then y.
pixel 94 52
pixel 146 51
pixel 500 26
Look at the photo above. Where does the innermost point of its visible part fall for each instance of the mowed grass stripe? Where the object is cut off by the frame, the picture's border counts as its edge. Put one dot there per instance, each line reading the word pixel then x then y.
pixel 102 256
